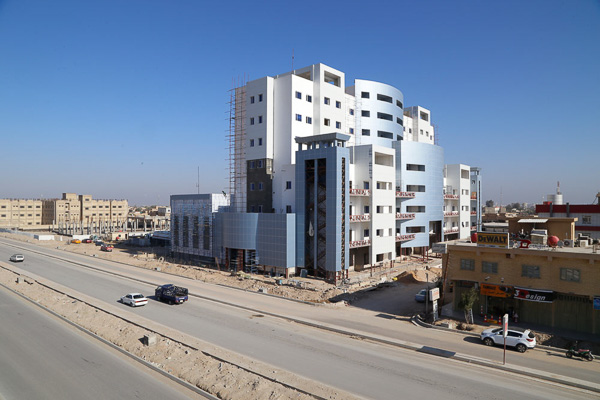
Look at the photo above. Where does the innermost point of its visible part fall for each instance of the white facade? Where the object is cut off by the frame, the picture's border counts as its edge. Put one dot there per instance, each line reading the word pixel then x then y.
pixel 394 204
pixel 457 201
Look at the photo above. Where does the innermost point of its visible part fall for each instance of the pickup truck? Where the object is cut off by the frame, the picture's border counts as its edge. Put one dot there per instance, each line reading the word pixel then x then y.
pixel 171 294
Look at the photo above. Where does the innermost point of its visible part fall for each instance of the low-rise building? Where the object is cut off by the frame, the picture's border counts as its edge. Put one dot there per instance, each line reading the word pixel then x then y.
pixel 20 213
pixel 553 286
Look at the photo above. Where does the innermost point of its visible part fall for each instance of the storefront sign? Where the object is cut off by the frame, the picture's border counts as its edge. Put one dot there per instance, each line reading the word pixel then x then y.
pixel 495 290
pixel 439 248
pixel 488 239
pixel 434 294
pixel 541 296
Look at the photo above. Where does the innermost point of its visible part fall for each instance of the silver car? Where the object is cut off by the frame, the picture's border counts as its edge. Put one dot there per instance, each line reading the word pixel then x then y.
pixel 521 339
pixel 17 258
pixel 134 299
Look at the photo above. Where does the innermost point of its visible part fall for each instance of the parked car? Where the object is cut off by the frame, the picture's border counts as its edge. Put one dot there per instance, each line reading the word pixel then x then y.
pixel 134 299
pixel 521 339
pixel 421 296
pixel 17 258
pixel 86 241
pixel 106 247
pixel 76 241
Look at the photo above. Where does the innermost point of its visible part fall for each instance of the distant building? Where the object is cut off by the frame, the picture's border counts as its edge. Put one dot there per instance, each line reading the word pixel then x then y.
pixel 21 213
pixel 588 215
pixel 68 210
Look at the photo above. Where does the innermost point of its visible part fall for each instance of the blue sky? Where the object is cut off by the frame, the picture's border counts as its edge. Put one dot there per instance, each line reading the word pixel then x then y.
pixel 126 99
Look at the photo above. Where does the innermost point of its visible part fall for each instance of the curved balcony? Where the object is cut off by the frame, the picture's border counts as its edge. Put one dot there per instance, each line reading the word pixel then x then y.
pixel 360 243
pixel 404 238
pixel 360 218
pixel 451 230
pixel 360 192
pixel 405 195
pixel 451 197
pixel 405 216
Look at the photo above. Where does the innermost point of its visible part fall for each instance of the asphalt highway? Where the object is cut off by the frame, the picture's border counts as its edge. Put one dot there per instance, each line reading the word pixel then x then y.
pixel 367 369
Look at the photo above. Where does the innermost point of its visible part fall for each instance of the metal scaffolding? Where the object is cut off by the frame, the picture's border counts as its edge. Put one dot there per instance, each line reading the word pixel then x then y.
pixel 236 140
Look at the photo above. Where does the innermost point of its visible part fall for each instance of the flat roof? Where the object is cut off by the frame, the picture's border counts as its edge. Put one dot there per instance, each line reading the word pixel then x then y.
pixel 532 220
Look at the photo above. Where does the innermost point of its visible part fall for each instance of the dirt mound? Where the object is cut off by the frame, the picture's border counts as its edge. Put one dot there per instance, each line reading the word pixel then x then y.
pixel 418 276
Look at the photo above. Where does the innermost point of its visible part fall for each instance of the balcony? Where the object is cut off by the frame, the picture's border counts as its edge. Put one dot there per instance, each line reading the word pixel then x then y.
pixel 451 230
pixel 360 192
pixel 450 213
pixel 405 195
pixel 473 212
pixel 474 228
pixel 360 243
pixel 360 218
pixel 451 197
pixel 404 238
pixel 405 216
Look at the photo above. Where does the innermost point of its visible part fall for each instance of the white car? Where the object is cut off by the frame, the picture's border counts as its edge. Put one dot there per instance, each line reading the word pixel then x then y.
pixel 17 258
pixel 134 299
pixel 521 339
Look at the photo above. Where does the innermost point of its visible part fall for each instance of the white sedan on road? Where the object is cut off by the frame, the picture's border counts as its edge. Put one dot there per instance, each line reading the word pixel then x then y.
pixel 134 299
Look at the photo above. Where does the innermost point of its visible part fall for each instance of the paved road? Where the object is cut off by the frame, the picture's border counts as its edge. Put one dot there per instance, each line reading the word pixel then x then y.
pixel 366 369
pixel 42 357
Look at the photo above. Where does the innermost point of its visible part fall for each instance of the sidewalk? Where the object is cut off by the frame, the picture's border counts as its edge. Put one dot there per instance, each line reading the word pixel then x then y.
pixel 556 338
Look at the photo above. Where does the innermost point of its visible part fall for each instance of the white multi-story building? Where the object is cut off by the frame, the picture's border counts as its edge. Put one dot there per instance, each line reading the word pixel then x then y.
pixel 327 177
pixel 457 201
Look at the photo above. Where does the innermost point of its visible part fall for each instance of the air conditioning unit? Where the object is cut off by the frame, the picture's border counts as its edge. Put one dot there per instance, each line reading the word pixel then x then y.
pixel 568 243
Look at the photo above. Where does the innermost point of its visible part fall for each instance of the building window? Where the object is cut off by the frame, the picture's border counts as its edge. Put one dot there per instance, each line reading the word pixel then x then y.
pixel 251 99
pixel 260 164
pixel 383 97
pixel 251 187
pixel 252 121
pixel 489 267
pixel 467 264
pixel 366 233
pixel 326 122
pixel 338 125
pixel 530 271
pixel 327 101
pixel 260 186
pixel 415 188
pixel 298 117
pixel 385 135
pixel 415 229
pixel 366 185
pixel 365 113
pixel 251 142
pixel 415 167
pixel 351 111
pixel 415 209
pixel 399 121
pixel 399 103
pixel 260 141
pixel 288 185
pixel 586 219
pixel 299 95
pixel 308 120
pixel 352 131
pixel 366 209
pixel 309 98
pixel 385 116
pixel 366 132
pixel 259 209
pixel 569 274
pixel 421 131
pixel 288 209
pixel 364 95
pixel 252 208
pixel 252 165
pixel 338 104
pixel 260 119
pixel 259 98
